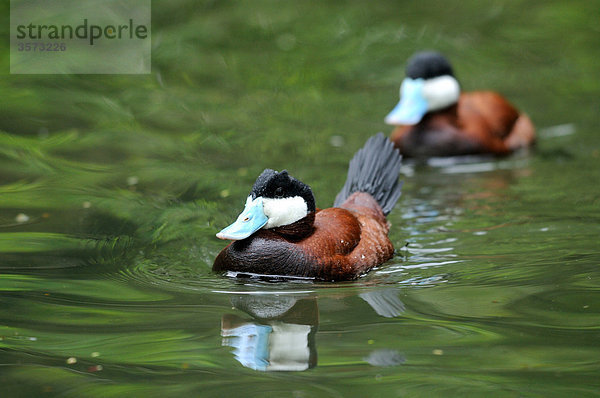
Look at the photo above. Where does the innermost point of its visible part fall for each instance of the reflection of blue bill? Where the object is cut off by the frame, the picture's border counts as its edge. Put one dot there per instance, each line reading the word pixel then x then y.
pixel 250 343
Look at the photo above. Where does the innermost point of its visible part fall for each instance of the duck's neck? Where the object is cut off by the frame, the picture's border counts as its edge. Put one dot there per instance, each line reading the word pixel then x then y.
pixel 297 230
pixel 448 114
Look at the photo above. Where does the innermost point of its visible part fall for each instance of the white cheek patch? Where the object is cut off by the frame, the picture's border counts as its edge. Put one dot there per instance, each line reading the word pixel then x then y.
pixel 441 92
pixel 284 211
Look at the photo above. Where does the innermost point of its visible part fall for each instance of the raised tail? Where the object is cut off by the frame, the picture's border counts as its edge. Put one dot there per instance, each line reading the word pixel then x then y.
pixel 374 169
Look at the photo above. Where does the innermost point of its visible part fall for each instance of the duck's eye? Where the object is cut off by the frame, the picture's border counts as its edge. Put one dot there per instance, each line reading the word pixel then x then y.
pixel 279 192
pixel 246 219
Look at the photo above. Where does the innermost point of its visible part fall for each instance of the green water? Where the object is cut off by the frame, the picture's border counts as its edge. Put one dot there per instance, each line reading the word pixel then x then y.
pixel 112 188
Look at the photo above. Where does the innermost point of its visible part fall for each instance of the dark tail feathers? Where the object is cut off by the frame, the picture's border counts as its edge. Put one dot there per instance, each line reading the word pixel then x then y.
pixel 374 169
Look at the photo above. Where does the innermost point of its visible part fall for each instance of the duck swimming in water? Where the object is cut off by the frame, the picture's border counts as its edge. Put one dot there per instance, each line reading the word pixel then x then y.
pixel 281 232
pixel 433 118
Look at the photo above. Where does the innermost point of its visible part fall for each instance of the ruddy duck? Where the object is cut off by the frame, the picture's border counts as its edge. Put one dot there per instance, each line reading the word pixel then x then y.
pixel 281 232
pixel 433 118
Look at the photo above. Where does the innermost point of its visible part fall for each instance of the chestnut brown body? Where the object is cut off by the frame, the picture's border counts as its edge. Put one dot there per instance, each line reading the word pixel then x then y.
pixel 337 243
pixel 481 122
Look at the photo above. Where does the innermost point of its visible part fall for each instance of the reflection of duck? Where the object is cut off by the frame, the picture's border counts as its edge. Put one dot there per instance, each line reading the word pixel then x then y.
pixel 282 339
pixel 434 118
pixel 280 232
pixel 282 335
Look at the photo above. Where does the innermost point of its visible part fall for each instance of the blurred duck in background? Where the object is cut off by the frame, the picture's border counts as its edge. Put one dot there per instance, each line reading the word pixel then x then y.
pixel 433 118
